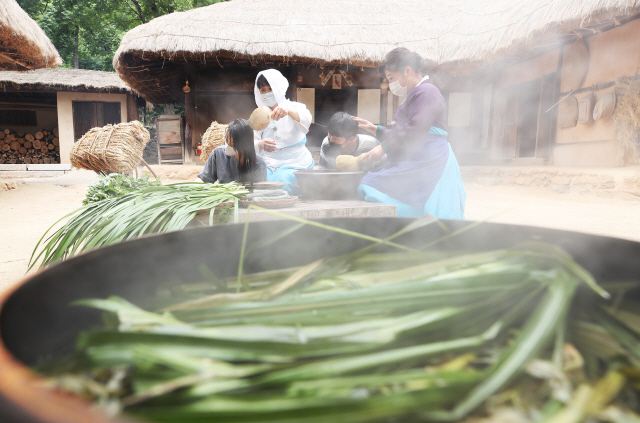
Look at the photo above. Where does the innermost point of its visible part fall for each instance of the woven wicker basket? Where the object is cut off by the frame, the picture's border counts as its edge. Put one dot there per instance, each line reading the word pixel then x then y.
pixel 585 109
pixel 575 64
pixel 212 138
pixel 110 149
pixel 605 106
pixel 568 112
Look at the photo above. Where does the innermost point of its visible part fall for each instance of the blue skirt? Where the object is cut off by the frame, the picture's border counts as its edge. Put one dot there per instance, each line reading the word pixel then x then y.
pixel 446 200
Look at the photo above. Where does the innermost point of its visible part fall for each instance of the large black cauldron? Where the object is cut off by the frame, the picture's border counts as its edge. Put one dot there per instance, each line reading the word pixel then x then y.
pixel 36 320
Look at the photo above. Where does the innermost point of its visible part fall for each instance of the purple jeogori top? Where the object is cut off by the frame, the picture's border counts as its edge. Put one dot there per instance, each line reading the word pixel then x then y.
pixel 416 157
pixel 423 108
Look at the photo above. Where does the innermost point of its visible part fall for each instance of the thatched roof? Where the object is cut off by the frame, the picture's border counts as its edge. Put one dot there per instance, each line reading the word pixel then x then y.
pixel 446 33
pixel 23 44
pixel 62 79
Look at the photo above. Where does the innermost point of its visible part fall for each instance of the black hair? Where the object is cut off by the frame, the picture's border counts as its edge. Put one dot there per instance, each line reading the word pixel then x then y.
pixel 342 124
pixel 398 59
pixel 242 135
pixel 262 82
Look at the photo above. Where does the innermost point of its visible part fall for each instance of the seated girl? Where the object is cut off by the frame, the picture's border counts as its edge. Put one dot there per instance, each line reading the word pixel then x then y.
pixel 237 160
pixel 282 143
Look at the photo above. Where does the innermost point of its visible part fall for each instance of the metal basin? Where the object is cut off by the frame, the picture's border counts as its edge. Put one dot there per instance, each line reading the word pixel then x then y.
pixel 328 184
pixel 36 320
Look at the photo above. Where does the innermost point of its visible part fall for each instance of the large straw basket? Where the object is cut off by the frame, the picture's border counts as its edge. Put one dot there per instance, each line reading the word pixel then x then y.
pixel 214 137
pixel 575 64
pixel 111 149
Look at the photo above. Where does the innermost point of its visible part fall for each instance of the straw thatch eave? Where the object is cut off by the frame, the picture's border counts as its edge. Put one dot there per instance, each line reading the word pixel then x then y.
pixel 23 44
pixel 161 76
pixel 455 36
pixel 62 79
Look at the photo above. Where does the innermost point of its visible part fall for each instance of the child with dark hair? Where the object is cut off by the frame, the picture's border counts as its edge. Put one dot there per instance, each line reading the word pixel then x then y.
pixel 343 139
pixel 236 161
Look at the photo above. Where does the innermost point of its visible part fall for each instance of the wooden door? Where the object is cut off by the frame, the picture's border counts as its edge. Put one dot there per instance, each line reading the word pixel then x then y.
pixel 510 124
pixel 545 133
pixel 111 113
pixel 84 118
pixel 169 132
pixel 485 131
pixel 528 116
pixel 497 123
pixel 222 108
pixel 90 114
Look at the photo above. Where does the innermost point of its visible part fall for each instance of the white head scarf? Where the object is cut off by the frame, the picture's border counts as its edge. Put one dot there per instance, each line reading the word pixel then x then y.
pixel 278 84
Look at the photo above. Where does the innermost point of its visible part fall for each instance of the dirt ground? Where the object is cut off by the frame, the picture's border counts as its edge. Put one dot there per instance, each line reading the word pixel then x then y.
pixel 27 211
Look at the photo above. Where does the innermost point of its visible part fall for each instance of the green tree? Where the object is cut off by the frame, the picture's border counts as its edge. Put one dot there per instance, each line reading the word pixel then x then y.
pixel 88 32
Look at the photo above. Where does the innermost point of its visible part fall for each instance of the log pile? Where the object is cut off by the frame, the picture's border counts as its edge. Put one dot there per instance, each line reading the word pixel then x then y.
pixel 23 148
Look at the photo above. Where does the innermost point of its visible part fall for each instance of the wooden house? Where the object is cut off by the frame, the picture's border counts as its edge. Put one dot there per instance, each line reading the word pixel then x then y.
pixel 533 101
pixel 71 100
pixel 44 109
pixel 502 66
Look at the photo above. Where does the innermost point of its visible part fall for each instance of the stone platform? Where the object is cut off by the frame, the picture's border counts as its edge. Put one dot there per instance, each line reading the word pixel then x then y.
pixel 18 171
pixel 310 209
pixel 601 181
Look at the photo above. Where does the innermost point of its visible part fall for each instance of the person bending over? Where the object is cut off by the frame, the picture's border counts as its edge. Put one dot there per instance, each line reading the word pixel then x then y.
pixel 343 139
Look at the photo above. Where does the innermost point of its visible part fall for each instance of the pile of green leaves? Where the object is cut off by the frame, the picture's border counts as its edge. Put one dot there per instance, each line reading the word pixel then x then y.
pixel 366 336
pixel 155 209
pixel 117 185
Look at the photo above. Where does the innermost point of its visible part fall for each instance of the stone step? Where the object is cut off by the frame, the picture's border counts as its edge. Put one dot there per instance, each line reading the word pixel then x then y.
pixel 13 167
pixel 57 166
pixel 13 174
pixel 35 167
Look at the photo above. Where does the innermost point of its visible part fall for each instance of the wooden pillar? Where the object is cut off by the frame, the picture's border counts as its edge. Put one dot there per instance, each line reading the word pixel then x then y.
pixel 189 116
pixel 384 97
pixel 294 83
pixel 190 132
pixel 132 108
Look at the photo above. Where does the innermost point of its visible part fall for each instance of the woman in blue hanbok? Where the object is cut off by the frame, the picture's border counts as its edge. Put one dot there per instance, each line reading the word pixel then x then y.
pixel 422 174
pixel 282 143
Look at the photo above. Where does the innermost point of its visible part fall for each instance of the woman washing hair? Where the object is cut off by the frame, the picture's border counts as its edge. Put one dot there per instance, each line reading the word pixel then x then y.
pixel 422 174
pixel 282 143
pixel 236 161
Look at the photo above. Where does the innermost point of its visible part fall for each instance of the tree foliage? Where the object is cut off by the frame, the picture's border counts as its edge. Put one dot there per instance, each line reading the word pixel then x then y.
pixel 88 32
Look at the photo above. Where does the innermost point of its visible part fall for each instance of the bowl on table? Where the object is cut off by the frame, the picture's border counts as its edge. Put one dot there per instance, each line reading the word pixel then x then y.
pixel 263 185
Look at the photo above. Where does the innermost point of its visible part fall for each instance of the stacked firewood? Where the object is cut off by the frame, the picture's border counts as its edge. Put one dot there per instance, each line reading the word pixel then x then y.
pixel 22 148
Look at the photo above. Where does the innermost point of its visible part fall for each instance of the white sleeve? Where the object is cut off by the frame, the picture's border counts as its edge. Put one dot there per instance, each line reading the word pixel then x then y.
pixel 305 116
pixel 257 137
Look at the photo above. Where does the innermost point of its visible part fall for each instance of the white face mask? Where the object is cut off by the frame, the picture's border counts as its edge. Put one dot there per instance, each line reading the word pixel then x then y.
pixel 229 151
pixel 397 89
pixel 269 99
